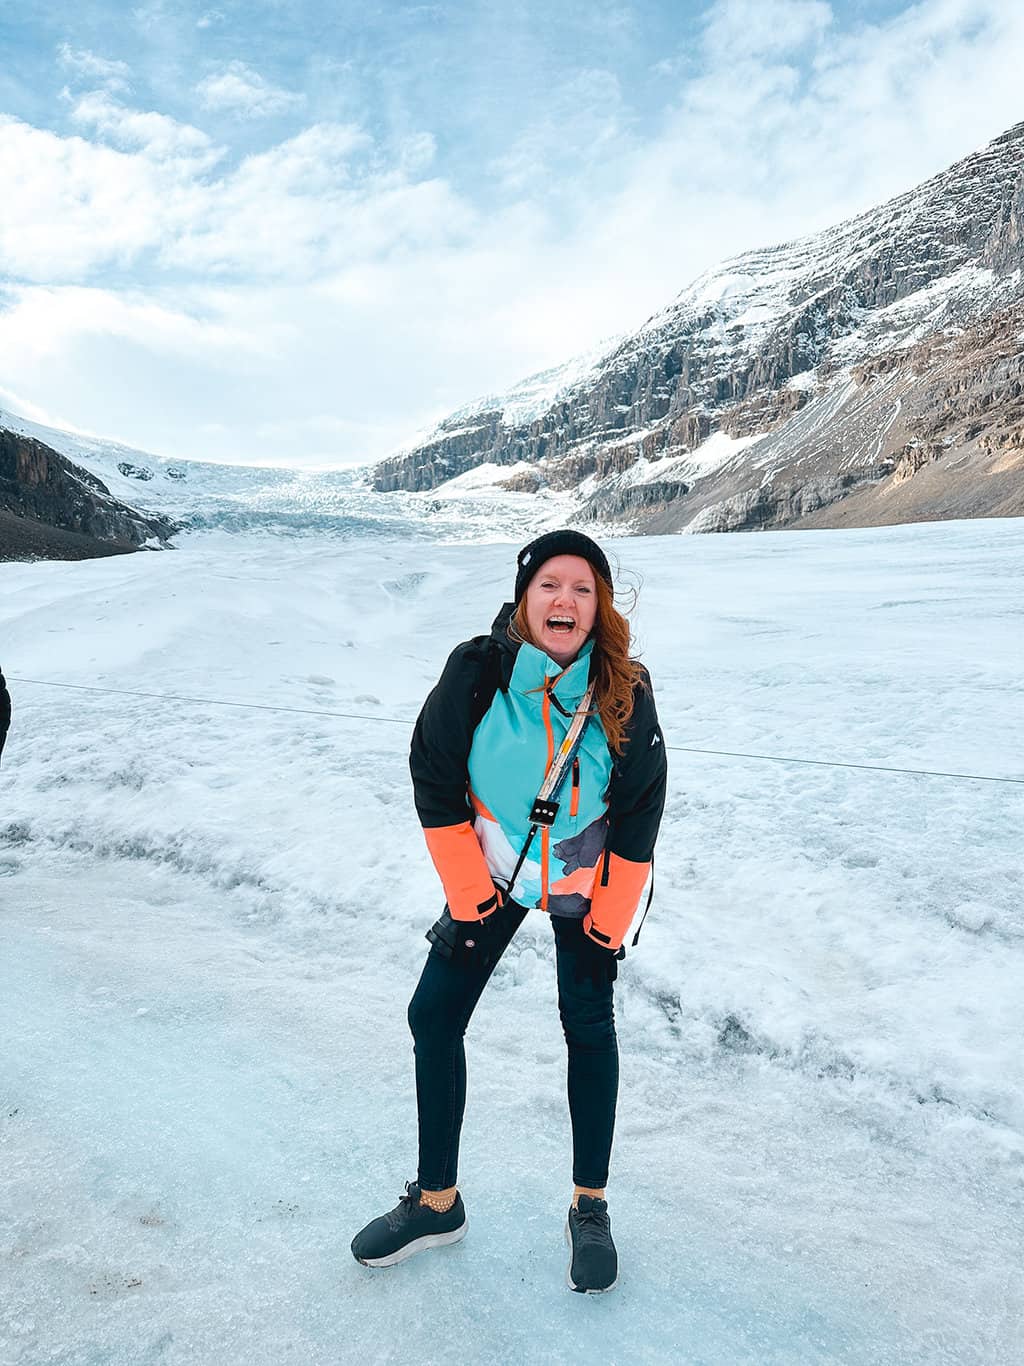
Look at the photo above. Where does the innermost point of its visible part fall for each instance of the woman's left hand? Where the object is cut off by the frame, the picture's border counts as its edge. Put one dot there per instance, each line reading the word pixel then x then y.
pixel 593 962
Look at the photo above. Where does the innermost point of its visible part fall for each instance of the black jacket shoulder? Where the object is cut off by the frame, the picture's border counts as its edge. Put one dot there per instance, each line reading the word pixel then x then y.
pixel 636 797
pixel 443 735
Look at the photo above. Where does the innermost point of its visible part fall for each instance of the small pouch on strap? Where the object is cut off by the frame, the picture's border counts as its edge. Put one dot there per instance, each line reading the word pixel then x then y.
pixel 443 935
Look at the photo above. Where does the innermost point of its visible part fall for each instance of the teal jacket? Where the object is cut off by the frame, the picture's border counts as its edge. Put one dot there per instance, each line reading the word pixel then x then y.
pixel 511 750
pixel 480 750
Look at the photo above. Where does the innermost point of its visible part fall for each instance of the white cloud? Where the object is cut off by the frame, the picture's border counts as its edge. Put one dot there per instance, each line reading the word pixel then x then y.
pixel 739 29
pixel 238 89
pixel 41 321
pixel 416 152
pixel 80 204
pixel 311 204
pixel 582 121
pixel 156 134
pixel 24 407
pixel 112 75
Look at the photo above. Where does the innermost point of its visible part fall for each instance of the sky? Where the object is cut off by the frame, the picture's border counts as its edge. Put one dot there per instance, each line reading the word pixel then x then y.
pixel 299 233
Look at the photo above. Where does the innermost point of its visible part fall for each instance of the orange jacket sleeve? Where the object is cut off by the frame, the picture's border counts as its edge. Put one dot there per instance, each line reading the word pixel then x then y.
pixel 463 871
pixel 614 902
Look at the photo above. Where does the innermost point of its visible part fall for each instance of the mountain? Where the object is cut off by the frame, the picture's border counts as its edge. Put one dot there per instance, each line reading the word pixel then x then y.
pixel 869 374
pixel 51 508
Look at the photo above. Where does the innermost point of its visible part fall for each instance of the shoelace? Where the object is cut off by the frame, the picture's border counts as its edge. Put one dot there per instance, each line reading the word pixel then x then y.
pixel 406 1204
pixel 592 1225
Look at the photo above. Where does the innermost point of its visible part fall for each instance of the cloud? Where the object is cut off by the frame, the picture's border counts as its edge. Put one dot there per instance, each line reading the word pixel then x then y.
pixel 760 29
pixel 156 134
pixel 327 198
pixel 238 89
pixel 111 75
pixel 41 321
pixel 24 407
pixel 583 121
pixel 81 205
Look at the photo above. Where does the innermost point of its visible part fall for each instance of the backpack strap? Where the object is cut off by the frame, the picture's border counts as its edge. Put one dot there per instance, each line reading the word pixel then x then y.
pixel 488 683
pixel 650 898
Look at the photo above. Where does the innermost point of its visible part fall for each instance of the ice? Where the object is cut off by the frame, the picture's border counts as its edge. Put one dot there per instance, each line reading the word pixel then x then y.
pixel 212 919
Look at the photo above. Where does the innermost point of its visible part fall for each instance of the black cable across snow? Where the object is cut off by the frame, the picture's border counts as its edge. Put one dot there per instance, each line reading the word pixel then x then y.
pixel 404 721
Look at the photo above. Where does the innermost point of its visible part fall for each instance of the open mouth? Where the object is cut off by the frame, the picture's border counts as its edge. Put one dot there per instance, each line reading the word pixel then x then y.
pixel 561 625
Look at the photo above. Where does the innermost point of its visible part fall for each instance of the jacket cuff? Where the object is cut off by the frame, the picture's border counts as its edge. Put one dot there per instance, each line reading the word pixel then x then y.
pixel 614 902
pixel 463 871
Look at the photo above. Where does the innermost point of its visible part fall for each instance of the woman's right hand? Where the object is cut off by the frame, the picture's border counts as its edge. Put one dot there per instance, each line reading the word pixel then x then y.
pixel 471 943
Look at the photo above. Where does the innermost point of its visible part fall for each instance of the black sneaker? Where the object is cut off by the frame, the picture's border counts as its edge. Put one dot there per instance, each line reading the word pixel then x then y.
pixel 409 1228
pixel 594 1265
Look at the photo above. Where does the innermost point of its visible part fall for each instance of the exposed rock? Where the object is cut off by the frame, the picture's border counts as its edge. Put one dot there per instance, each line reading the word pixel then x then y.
pixel 526 481
pixel 53 509
pixel 131 471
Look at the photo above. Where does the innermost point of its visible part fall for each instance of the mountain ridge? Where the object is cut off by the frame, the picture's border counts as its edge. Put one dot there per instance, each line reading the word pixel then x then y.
pixel 779 350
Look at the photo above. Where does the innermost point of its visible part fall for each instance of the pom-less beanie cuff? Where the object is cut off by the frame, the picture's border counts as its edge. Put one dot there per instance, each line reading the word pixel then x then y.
pixel 552 543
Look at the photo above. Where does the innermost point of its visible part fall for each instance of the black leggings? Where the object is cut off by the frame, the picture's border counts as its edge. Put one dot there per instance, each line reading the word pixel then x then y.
pixel 439 1012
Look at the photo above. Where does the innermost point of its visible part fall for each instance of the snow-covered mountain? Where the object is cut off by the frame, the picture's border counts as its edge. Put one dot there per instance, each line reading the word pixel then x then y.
pixel 871 373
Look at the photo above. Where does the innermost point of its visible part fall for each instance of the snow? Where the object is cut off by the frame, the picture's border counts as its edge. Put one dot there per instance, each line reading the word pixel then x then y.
pixel 486 475
pixel 712 453
pixel 806 380
pixel 212 919
pixel 716 451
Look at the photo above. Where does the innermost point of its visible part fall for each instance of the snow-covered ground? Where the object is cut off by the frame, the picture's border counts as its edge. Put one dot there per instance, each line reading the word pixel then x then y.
pixel 212 918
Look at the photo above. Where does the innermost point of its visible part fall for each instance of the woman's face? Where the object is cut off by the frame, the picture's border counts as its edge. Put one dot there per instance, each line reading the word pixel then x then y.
pixel 561 605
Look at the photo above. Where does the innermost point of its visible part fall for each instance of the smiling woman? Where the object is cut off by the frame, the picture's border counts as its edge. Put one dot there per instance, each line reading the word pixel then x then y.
pixel 546 725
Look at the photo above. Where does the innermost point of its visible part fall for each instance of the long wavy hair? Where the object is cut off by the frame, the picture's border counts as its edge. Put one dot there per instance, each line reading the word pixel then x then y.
pixel 614 671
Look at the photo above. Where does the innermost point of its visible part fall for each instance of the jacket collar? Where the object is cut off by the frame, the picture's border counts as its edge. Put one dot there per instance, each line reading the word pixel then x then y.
pixel 524 667
pixel 534 670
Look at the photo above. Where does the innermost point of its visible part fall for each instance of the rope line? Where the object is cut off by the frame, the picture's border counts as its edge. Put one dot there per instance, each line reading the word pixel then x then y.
pixel 402 721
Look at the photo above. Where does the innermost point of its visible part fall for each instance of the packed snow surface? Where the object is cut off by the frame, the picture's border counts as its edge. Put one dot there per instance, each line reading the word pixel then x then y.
pixel 212 919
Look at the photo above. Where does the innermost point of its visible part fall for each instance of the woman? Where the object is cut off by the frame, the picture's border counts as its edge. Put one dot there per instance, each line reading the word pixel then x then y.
pixel 551 691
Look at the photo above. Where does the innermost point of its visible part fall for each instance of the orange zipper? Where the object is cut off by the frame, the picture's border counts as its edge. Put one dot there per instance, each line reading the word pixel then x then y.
pixel 546 713
pixel 574 805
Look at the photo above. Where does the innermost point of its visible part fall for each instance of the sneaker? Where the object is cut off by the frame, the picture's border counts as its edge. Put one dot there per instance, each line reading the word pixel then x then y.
pixel 409 1228
pixel 594 1265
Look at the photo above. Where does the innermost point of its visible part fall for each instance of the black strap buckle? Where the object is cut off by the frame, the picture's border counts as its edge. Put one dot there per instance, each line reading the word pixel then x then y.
pixel 543 813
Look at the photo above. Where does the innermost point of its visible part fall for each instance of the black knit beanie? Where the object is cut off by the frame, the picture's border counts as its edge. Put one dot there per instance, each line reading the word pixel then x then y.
pixel 553 543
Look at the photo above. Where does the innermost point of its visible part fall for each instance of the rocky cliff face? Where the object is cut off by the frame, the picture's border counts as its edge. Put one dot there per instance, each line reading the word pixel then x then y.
pixel 792 380
pixel 53 509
